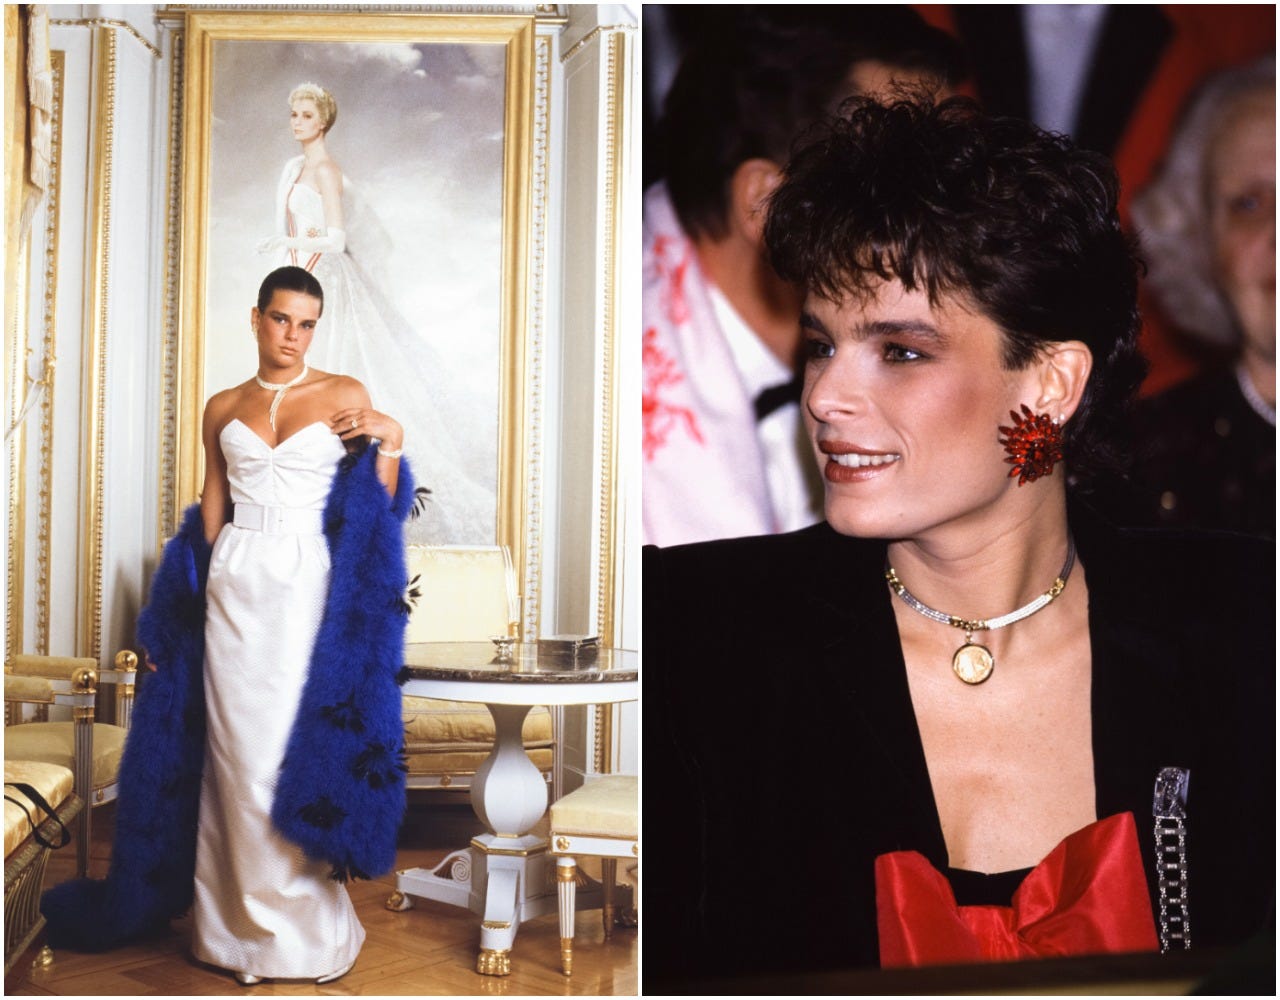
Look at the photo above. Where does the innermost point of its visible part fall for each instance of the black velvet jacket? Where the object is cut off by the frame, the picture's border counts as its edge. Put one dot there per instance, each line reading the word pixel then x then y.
pixel 781 752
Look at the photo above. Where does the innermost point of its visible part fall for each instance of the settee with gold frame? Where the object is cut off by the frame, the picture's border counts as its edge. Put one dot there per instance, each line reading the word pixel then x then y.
pixel 458 594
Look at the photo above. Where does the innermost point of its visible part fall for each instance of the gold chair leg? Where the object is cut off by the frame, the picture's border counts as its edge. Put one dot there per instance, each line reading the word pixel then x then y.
pixel 608 876
pixel 566 891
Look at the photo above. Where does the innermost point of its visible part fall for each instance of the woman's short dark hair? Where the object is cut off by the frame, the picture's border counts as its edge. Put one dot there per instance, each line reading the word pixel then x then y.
pixel 289 279
pixel 1015 220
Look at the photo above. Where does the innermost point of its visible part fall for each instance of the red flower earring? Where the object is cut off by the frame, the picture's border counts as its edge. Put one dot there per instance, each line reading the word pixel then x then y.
pixel 1034 444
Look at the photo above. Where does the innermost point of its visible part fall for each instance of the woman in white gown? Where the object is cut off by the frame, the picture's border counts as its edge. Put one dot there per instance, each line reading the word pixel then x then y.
pixel 272 444
pixel 364 336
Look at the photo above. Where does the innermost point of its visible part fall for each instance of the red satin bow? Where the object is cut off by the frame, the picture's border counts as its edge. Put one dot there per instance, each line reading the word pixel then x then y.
pixel 1088 896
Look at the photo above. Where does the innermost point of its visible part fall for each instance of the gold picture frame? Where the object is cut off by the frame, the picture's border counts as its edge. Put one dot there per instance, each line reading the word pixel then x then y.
pixel 211 39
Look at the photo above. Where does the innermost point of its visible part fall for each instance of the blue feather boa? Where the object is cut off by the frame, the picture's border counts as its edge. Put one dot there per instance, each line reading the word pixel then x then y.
pixel 341 792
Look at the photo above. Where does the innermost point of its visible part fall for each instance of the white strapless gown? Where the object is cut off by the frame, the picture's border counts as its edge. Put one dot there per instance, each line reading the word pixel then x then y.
pixel 261 906
pixel 450 440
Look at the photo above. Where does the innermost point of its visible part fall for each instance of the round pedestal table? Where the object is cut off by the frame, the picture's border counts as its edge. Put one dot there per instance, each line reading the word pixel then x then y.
pixel 504 875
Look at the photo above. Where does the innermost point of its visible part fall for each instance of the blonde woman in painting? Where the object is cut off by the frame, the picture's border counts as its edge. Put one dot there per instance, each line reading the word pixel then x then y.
pixel 320 222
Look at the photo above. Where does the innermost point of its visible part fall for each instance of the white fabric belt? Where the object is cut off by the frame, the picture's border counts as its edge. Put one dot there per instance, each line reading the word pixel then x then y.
pixel 280 520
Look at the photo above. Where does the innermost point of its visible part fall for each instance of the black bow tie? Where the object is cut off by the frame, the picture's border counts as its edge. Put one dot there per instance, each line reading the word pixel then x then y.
pixel 777 396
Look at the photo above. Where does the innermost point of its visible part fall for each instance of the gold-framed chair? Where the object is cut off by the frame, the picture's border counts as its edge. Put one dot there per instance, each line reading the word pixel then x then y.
pixel 90 749
pixel 601 820
pixel 461 594
pixel 26 854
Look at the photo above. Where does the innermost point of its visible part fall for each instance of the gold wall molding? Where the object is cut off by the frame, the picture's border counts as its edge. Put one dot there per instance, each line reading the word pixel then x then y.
pixel 615 156
pixel 44 518
pixel 542 12
pixel 171 381
pixel 531 611
pixel 15 322
pixel 105 22
pixel 586 39
pixel 515 377
pixel 95 348
pixel 18 387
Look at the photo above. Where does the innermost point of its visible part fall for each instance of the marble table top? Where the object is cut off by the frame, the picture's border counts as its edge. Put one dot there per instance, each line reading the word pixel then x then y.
pixel 480 662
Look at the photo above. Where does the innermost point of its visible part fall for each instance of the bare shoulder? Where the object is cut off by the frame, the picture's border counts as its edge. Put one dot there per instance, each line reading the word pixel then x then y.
pixel 327 170
pixel 342 390
pixel 221 407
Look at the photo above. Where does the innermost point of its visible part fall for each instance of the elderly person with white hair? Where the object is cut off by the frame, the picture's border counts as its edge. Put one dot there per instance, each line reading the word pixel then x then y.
pixel 1208 230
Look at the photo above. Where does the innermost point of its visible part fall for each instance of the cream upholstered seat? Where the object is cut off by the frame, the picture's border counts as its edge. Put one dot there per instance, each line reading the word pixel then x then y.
pixel 91 750
pixel 600 819
pixel 461 594
pixel 25 858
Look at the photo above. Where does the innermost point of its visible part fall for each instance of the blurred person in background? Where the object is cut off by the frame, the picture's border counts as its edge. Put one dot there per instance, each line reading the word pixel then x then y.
pixel 723 447
pixel 1113 77
pixel 1206 455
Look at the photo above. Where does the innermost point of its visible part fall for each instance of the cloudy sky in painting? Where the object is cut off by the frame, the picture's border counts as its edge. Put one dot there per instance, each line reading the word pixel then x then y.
pixel 419 135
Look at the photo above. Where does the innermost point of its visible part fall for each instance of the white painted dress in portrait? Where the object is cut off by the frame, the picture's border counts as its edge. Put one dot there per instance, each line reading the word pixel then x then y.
pixel 361 334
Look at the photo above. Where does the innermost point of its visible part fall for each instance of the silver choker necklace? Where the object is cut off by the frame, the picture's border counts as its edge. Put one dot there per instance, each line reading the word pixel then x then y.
pixel 279 388
pixel 973 661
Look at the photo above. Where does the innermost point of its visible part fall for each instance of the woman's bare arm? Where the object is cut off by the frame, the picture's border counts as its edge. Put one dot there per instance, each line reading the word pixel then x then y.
pixel 357 418
pixel 215 500
pixel 329 182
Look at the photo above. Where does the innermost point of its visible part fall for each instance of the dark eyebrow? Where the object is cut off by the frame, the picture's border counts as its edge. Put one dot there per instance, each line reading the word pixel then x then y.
pixel 808 321
pixel 896 328
pixel 879 328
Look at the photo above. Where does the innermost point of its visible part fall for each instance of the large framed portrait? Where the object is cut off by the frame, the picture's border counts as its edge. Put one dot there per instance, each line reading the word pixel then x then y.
pixel 421 247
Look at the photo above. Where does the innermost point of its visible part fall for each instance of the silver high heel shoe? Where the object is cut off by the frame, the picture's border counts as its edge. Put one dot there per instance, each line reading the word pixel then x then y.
pixel 245 979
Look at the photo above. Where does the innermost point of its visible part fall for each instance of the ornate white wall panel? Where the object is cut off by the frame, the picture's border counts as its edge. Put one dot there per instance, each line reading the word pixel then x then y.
pixel 599 68
pixel 83 567
pixel 130 412
pixel 61 587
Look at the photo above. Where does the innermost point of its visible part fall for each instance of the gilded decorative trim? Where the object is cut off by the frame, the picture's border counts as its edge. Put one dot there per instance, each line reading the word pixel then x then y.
pixel 15 320
pixel 44 517
pixel 537 329
pixel 615 155
pixel 516 382
pixel 95 351
pixel 171 387
pixel 544 13
pixel 509 852
pixel 104 22
pixel 586 39
pixel 18 378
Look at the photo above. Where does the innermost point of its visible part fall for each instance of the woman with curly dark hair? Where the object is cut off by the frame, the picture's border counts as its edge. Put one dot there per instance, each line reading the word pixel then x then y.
pixel 932 729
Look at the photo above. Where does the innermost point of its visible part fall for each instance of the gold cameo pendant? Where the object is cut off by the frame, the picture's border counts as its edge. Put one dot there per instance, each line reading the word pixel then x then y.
pixel 973 663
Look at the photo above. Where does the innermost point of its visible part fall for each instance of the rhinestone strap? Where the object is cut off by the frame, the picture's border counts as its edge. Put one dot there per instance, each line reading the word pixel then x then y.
pixel 984 624
pixel 1169 810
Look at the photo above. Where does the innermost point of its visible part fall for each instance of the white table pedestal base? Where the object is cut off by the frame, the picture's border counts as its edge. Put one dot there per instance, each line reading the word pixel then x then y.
pixel 506 876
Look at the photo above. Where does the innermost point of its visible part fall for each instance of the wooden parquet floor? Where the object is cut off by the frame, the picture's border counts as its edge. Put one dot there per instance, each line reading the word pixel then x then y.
pixel 429 950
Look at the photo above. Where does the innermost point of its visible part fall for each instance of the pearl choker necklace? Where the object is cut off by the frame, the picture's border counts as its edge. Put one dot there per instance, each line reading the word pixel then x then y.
pixel 973 661
pixel 279 388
